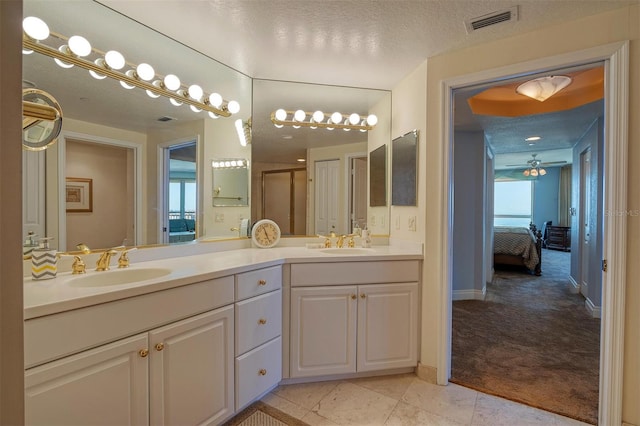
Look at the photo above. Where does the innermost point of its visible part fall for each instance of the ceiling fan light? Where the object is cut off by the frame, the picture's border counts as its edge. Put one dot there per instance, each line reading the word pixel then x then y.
pixel 79 45
pixel 534 172
pixel 526 172
pixel 543 172
pixel 543 88
pixel 114 59
pixel 35 28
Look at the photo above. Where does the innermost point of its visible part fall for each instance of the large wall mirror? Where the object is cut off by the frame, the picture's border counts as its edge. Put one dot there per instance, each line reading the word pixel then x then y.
pixel 315 181
pixel 122 139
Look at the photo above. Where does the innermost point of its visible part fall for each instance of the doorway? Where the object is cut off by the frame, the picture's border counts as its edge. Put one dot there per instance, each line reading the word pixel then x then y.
pixel 284 199
pixel 180 192
pixel 615 185
pixel 357 192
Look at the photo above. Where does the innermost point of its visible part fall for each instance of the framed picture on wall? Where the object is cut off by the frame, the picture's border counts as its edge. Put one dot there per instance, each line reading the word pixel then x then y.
pixel 79 195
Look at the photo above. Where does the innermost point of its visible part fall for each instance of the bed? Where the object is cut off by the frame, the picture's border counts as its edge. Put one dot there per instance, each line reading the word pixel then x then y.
pixel 518 246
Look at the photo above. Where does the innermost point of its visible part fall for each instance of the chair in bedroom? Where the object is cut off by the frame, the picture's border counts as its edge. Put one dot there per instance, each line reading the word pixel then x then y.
pixel 544 232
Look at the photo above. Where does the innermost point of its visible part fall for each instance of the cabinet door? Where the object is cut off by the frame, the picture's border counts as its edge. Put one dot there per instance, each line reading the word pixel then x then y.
pixel 323 330
pixel 191 370
pixel 387 326
pixel 102 386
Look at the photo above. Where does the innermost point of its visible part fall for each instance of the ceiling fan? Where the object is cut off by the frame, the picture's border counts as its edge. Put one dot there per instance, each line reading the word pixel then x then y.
pixel 535 163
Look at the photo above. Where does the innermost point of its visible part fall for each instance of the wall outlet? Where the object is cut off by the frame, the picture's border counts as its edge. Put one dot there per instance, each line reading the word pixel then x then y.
pixel 372 221
pixel 219 217
pixel 412 223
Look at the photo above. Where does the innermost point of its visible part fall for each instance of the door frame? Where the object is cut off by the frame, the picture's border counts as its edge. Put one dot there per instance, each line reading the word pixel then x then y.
pixel 163 186
pixel 348 164
pixel 137 190
pixel 616 63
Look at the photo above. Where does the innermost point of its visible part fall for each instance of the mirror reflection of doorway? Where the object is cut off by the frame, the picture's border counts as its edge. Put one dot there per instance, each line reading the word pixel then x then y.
pixel 180 192
pixel 358 193
pixel 284 199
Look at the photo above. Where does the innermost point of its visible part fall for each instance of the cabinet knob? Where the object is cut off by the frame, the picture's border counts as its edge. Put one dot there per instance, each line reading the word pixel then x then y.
pixel 362 295
pixel 159 346
pixel 143 353
pixel 262 282
pixel 262 372
pixel 262 321
pixel 354 297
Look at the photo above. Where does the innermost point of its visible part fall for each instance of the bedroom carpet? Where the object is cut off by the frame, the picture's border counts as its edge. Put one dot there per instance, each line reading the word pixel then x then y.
pixel 531 341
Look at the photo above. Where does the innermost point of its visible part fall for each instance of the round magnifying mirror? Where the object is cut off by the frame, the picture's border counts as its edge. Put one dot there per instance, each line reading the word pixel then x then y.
pixel 41 119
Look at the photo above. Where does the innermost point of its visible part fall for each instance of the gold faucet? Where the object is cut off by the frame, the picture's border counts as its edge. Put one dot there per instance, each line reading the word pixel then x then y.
pixel 105 258
pixel 78 266
pixel 123 260
pixel 340 242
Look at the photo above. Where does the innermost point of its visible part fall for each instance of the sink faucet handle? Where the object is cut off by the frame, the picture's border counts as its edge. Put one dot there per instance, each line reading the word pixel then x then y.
pixel 123 260
pixel 78 266
pixel 105 258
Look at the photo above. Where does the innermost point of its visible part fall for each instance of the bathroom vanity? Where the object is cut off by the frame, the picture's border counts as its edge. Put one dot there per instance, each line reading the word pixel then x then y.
pixel 195 339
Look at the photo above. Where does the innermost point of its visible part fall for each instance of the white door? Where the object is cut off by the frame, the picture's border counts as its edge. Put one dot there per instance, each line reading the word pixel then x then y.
pixel 33 190
pixel 191 370
pixel 358 213
pixel 102 386
pixel 323 330
pixel 387 326
pixel 327 202
pixel 585 219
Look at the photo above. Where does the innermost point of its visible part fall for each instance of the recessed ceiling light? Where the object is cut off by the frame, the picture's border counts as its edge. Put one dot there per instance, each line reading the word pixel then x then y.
pixel 533 138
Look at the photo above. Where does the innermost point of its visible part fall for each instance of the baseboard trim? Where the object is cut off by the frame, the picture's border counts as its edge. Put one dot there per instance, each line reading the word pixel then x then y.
pixel 469 294
pixel 595 311
pixel 427 373
pixel 627 424
pixel 575 287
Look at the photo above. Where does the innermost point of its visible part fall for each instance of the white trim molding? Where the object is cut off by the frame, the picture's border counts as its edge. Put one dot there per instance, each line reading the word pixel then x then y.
pixel 575 287
pixel 615 57
pixel 594 311
pixel 469 294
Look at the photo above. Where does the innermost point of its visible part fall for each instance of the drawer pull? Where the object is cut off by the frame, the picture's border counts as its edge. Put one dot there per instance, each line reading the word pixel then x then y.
pixel 262 321
pixel 159 346
pixel 262 372
pixel 262 282
pixel 354 297
pixel 362 295
pixel 143 353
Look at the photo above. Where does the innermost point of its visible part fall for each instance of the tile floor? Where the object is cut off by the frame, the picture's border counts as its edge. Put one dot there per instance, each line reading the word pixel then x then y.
pixel 403 400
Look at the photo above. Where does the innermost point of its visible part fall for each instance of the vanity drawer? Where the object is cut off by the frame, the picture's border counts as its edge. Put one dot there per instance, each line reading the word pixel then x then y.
pixel 258 371
pixel 258 320
pixel 349 273
pixel 260 281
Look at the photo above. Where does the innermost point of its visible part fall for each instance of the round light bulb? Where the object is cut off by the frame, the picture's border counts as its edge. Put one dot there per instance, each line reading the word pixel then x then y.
pixel 195 92
pixel 35 28
pixel 318 116
pixel 145 72
pixel 526 172
pixel 171 82
pixel 27 52
pixel 175 102
pixel 99 62
pixel 372 120
pixel 543 172
pixel 114 59
pixel 158 84
pixel 336 117
pixel 212 115
pixel 299 115
pixel 233 163
pixel 233 107
pixel 64 49
pixel 279 126
pixel 216 164
pixel 79 45
pixel 227 163
pixel 281 114
pixel 130 74
pixel 215 100
pixel 194 108
pixel 354 118
pixel 346 123
pixel 534 172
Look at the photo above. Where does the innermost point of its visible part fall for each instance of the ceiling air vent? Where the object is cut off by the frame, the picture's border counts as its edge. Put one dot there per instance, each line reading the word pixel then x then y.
pixel 484 21
pixel 166 118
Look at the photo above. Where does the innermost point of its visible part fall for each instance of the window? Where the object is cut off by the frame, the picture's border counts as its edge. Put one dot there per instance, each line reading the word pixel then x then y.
pixel 182 199
pixel 512 203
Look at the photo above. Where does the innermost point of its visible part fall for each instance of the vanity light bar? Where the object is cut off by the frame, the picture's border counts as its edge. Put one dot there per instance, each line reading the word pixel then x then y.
pixel 319 119
pixel 130 77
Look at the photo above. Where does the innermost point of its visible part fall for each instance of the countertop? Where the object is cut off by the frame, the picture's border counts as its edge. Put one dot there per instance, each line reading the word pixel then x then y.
pixel 47 297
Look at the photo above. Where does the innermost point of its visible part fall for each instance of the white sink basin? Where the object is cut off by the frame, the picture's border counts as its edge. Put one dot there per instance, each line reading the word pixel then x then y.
pixel 117 277
pixel 347 251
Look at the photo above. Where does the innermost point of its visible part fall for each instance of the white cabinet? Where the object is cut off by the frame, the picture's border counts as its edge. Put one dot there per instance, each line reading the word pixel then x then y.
pixel 337 328
pixel 258 345
pixel 191 370
pixel 102 386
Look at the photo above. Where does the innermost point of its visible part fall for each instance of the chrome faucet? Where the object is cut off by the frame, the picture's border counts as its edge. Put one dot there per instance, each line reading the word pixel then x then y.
pixel 105 258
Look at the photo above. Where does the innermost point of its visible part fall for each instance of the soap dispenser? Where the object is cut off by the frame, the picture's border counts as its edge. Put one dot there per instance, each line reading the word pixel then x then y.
pixel 29 244
pixel 44 261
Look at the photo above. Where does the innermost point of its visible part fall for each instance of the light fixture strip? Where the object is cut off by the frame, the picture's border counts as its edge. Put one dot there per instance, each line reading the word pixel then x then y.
pixel 29 44
pixel 322 124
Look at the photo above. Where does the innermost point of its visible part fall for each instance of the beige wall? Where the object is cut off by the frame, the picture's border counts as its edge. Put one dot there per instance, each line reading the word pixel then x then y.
pixel 618 25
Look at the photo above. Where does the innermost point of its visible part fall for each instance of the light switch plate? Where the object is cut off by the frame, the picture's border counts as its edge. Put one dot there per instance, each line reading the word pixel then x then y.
pixel 412 223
